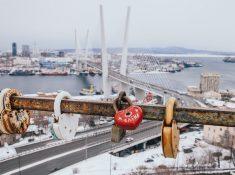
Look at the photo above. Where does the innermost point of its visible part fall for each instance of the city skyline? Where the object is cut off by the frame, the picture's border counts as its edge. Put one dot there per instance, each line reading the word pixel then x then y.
pixel 203 25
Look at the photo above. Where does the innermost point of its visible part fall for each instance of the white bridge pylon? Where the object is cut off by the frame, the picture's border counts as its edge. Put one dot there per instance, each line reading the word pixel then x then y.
pixel 76 48
pixel 85 59
pixel 139 92
pixel 105 78
pixel 123 68
pixel 81 58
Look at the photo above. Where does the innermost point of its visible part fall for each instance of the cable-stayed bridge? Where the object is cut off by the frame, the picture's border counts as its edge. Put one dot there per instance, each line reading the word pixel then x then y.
pixel 140 87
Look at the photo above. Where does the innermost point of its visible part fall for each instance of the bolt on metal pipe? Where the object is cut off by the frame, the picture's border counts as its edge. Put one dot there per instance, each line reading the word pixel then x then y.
pixel 192 115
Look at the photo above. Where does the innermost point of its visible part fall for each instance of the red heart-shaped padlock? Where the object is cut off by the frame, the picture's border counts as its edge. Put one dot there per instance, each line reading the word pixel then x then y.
pixel 129 118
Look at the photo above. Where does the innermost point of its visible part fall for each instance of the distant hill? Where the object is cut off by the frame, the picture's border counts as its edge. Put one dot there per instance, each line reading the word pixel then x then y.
pixel 157 50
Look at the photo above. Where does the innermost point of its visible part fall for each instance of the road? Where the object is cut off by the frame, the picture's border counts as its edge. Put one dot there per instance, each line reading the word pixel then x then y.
pixel 96 145
pixel 23 148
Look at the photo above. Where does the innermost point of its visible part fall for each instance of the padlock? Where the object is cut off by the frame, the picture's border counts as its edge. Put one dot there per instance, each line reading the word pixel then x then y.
pixel 2 127
pixel 65 125
pixel 130 118
pixel 126 119
pixel 51 129
pixel 117 134
pixel 2 94
pixel 8 128
pixel 12 121
pixel 7 97
pixel 170 131
pixel 19 120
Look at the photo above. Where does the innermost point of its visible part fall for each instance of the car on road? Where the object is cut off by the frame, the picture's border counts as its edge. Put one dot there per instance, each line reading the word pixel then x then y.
pixel 187 149
pixel 149 160
pixel 129 139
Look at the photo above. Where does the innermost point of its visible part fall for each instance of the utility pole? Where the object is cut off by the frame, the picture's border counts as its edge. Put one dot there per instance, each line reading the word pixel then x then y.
pixel 110 162
pixel 86 146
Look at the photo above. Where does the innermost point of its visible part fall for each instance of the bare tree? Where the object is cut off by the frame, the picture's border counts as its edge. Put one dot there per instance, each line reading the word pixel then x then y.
pixel 89 120
pixel 163 170
pixel 218 154
pixel 140 170
pixel 75 170
pixel 211 158
pixel 232 151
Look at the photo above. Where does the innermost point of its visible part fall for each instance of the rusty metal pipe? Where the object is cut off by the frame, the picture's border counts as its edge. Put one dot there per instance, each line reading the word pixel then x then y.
pixel 205 116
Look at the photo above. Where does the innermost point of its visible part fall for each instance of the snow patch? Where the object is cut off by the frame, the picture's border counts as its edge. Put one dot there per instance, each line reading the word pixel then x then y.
pixel 7 152
pixel 100 165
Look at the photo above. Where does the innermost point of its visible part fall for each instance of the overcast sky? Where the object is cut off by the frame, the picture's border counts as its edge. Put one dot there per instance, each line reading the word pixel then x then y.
pixel 198 24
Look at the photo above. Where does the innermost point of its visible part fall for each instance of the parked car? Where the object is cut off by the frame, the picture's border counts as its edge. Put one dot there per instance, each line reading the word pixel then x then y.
pixel 187 149
pixel 149 160
pixel 129 139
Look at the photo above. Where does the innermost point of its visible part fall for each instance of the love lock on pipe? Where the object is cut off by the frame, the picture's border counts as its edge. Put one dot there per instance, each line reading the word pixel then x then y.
pixel 64 126
pixel 170 131
pixel 125 119
pixel 12 121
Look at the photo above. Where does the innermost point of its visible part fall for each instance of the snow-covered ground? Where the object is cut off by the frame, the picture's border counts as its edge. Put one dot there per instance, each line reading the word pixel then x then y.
pixel 220 103
pixel 100 165
pixel 25 141
pixel 7 151
pixel 44 137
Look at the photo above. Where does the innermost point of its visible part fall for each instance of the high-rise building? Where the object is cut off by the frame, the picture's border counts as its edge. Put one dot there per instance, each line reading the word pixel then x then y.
pixel 35 50
pixel 14 49
pixel 61 54
pixel 209 82
pixel 25 51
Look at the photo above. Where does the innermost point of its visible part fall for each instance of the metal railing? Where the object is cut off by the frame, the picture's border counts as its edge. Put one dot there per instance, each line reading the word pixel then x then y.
pixel 192 115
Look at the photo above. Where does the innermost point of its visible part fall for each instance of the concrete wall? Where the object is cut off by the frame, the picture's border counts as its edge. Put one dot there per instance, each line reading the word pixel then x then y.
pixel 209 82
pixel 219 135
